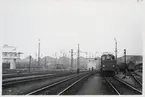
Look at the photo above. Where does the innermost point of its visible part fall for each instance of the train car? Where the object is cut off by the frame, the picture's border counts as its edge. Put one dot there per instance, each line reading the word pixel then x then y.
pixel 108 64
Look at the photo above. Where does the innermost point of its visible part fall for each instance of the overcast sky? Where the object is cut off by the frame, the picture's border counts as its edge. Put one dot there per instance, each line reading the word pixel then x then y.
pixel 62 24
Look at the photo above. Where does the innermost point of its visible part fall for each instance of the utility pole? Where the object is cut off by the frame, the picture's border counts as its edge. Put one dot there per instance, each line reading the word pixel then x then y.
pixel 115 49
pixel 78 61
pixel 39 54
pixel 71 59
pixel 125 56
pixel 30 57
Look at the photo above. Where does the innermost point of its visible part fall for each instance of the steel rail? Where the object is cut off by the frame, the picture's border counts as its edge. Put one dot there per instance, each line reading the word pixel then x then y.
pixel 10 82
pixel 25 77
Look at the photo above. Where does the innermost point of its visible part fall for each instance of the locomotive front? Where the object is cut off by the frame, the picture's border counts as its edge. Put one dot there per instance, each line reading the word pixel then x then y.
pixel 108 64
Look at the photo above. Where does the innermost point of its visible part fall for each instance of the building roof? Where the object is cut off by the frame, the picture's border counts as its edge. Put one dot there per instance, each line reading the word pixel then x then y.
pixel 7 48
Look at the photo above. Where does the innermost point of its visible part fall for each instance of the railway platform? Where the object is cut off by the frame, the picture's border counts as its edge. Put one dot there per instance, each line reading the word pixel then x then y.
pixel 96 85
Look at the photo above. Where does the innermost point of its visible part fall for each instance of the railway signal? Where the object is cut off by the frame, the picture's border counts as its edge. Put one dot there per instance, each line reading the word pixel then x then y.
pixel 71 59
pixel 126 67
pixel 30 57
pixel 78 60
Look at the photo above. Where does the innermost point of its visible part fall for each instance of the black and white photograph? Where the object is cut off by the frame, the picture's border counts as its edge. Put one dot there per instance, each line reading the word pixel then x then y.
pixel 72 47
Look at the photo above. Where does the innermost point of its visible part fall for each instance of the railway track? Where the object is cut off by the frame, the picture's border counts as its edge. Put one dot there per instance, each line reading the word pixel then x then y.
pixel 72 89
pixel 18 80
pixel 16 75
pixel 121 87
pixel 61 87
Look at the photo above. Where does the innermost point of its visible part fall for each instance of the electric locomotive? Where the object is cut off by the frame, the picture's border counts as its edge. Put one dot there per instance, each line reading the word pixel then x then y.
pixel 108 64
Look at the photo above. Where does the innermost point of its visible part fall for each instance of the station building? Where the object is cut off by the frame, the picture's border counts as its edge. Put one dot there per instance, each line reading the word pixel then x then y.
pixel 94 63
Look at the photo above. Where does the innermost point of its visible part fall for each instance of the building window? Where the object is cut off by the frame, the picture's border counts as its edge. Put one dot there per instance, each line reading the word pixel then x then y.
pixel 4 54
pixel 15 54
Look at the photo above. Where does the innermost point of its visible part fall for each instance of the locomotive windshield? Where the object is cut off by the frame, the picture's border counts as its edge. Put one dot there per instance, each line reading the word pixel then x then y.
pixel 107 57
